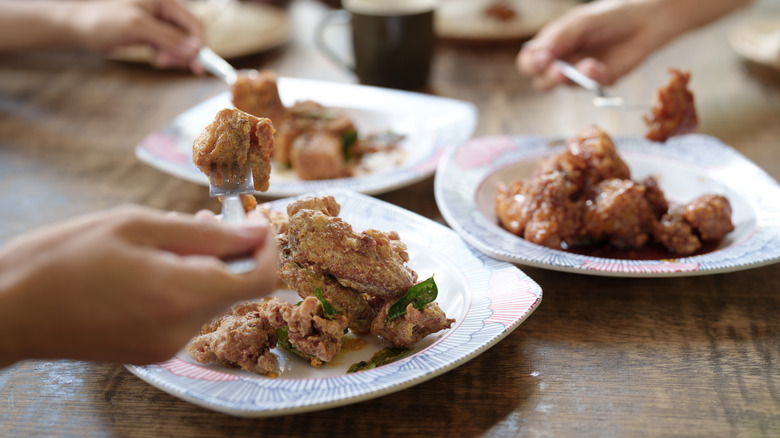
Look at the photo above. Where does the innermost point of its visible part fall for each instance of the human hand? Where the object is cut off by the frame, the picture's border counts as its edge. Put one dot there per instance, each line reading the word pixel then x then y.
pixel 167 26
pixel 606 39
pixel 128 285
pixel 603 39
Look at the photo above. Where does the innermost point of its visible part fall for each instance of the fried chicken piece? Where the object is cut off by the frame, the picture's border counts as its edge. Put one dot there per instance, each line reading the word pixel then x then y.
pixel 371 261
pixel 236 138
pixel 405 331
pixel 710 215
pixel 676 234
pixel 347 301
pixel 305 119
pixel 241 337
pixel 619 213
pixel 672 112
pixel 311 333
pixel 655 197
pixel 541 209
pixel 319 155
pixel 590 157
pixel 257 93
pixel 325 204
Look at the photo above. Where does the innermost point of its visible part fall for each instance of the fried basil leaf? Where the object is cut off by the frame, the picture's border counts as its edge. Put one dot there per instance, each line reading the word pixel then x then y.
pixel 327 309
pixel 419 295
pixel 379 358
pixel 349 137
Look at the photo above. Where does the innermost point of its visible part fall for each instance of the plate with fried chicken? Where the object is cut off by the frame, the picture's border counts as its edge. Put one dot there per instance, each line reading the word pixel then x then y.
pixel 372 299
pixel 328 135
pixel 625 206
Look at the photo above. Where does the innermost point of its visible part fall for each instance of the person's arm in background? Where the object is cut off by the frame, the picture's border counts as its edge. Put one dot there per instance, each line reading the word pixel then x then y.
pixel 128 285
pixel 166 25
pixel 606 39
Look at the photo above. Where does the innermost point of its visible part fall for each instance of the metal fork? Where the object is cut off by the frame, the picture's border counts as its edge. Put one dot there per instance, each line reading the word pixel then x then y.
pixel 230 182
pixel 217 66
pixel 600 98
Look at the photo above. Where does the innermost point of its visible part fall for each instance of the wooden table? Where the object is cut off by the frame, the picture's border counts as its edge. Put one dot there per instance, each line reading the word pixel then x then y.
pixel 600 357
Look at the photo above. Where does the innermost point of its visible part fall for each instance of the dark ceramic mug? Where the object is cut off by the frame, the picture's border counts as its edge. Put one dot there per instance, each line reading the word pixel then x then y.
pixel 392 41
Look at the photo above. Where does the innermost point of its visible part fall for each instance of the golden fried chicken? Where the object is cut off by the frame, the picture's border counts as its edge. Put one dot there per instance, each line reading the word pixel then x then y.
pixel 370 261
pixel 236 138
pixel 345 300
pixel 404 331
pixel 311 333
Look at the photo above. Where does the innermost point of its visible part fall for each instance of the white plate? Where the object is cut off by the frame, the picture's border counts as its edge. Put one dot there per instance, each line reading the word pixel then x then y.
pixel 758 39
pixel 488 299
pixel 430 124
pixel 686 167
pixel 232 28
pixel 466 20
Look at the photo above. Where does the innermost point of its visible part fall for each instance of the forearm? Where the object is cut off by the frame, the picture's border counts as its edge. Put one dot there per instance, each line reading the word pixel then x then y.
pixel 33 24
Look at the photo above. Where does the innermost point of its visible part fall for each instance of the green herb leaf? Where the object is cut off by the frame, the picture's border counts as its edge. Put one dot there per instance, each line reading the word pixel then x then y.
pixel 349 137
pixel 379 358
pixel 327 309
pixel 419 295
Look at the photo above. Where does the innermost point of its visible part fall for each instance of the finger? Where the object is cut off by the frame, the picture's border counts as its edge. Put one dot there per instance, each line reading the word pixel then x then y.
pixel 187 235
pixel 169 38
pixel 177 13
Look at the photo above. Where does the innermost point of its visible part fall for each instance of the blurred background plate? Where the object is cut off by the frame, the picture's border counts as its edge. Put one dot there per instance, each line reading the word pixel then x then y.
pixel 233 29
pixel 758 39
pixel 496 20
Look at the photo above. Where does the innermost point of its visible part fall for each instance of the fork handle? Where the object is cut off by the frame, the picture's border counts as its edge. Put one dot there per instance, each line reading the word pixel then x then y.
pixel 233 212
pixel 216 65
pixel 232 209
pixel 578 77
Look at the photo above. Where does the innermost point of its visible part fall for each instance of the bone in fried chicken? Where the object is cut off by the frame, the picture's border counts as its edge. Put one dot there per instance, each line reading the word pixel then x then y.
pixel 236 138
pixel 370 261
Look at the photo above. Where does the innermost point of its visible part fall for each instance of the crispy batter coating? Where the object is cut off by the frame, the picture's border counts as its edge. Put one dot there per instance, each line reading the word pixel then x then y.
pixel 347 301
pixel 241 337
pixel 673 112
pixel 311 333
pixel 371 261
pixel 236 138
pixel 407 330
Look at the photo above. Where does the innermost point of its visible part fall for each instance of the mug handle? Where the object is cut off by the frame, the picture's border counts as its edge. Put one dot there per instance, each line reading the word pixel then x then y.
pixel 340 16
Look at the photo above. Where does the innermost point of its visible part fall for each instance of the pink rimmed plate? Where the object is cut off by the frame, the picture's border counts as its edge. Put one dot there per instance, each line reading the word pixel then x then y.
pixel 488 299
pixel 429 125
pixel 686 166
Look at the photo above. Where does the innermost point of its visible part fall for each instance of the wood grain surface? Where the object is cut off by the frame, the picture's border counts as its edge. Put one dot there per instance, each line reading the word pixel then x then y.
pixel 690 356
